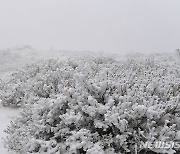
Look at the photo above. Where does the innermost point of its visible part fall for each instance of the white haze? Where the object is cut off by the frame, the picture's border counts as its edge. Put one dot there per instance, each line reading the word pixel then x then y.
pixel 95 25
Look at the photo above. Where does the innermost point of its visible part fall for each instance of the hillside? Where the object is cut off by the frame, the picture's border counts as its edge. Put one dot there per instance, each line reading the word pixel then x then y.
pixel 86 103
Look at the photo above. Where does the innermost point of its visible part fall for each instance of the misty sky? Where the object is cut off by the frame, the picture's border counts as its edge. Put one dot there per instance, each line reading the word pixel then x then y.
pixel 95 25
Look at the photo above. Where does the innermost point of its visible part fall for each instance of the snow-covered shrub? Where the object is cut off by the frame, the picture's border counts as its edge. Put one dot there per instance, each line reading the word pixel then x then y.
pixel 95 106
pixel 34 82
pixel 178 52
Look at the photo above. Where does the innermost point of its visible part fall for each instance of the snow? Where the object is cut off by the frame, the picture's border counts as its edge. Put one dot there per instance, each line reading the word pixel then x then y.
pixel 16 58
pixel 6 114
pixel 10 60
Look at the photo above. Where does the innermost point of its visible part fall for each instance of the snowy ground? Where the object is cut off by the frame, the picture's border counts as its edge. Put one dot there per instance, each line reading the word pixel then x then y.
pixel 6 114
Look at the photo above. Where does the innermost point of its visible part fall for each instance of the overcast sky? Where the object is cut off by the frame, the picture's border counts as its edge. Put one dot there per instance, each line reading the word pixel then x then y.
pixel 95 25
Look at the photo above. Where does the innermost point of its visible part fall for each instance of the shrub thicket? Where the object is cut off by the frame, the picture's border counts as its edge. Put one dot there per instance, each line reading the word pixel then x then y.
pixel 94 106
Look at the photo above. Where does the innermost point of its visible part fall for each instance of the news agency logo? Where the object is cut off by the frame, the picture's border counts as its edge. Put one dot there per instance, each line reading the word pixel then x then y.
pixel 160 145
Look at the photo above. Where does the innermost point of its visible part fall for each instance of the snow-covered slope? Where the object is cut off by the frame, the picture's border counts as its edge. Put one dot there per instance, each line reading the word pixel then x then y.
pixel 12 59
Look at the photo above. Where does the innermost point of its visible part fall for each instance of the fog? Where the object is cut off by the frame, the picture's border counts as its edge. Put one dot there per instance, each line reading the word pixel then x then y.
pixel 97 25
